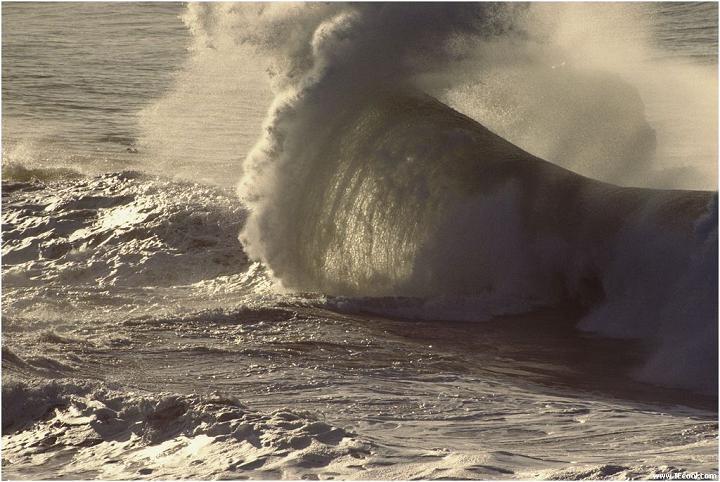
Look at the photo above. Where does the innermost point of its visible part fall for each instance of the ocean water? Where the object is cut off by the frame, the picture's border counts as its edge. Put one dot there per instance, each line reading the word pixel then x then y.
pixel 374 241
pixel 98 87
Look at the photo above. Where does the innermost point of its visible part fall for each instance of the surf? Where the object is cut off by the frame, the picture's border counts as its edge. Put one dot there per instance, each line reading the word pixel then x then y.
pixel 404 196
pixel 363 185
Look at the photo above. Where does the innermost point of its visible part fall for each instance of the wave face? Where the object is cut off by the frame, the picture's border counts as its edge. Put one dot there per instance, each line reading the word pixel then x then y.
pixel 405 197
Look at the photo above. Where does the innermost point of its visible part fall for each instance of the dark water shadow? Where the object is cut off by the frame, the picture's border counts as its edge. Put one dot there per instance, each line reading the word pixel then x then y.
pixel 545 348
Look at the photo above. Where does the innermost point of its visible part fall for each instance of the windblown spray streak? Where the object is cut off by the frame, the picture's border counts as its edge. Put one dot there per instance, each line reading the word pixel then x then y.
pixel 364 186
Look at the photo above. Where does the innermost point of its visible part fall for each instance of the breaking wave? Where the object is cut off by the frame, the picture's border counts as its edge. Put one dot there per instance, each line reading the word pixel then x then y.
pixel 440 162
pixel 414 199
pixel 368 189
pixel 364 186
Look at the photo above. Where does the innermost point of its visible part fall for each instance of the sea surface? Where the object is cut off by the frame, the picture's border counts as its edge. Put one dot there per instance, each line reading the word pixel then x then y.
pixel 256 241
